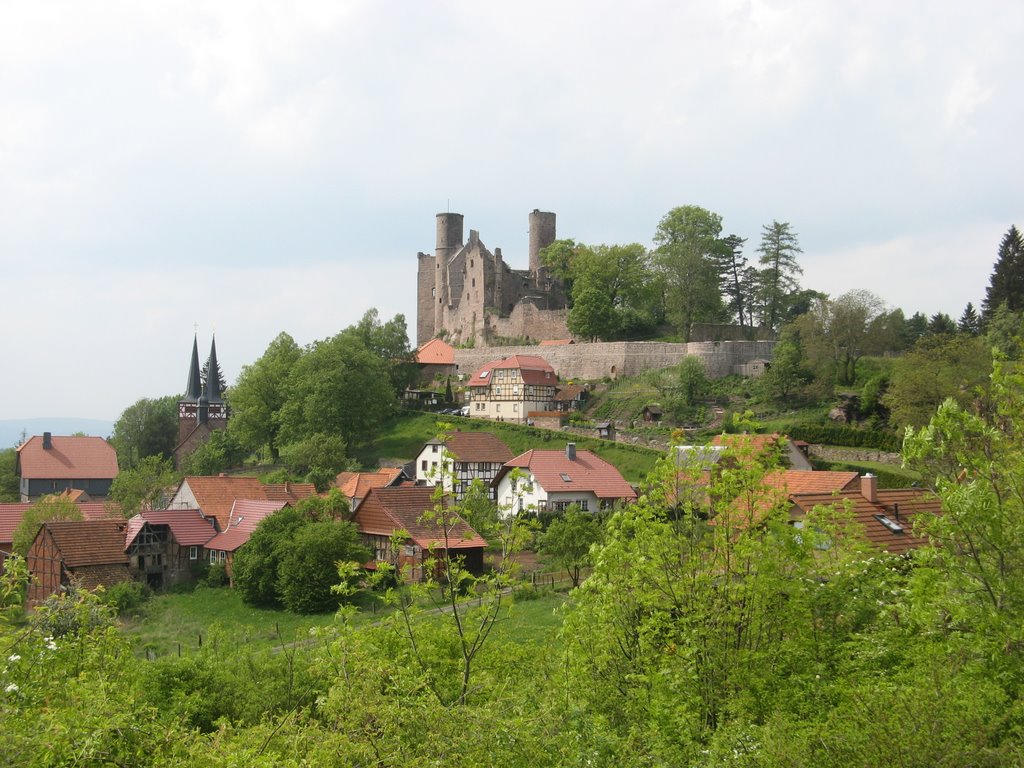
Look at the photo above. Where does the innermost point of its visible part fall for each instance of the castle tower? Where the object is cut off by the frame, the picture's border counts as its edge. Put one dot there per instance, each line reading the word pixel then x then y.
pixel 188 406
pixel 542 234
pixel 449 241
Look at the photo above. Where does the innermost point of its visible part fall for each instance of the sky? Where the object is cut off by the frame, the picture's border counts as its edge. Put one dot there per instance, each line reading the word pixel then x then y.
pixel 248 168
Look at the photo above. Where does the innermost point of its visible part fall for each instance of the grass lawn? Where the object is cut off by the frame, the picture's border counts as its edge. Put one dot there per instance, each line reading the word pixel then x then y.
pixel 173 619
pixel 220 616
pixel 406 434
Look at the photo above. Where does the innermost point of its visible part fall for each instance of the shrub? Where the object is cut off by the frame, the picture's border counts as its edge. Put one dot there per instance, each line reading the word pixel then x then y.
pixel 126 597
pixel 216 576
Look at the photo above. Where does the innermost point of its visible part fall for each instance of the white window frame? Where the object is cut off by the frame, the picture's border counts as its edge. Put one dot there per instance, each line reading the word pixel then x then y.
pixel 193 553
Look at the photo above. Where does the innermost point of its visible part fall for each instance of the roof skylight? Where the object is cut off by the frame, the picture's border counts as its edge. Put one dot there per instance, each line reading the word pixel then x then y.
pixel 892 525
pixel 565 476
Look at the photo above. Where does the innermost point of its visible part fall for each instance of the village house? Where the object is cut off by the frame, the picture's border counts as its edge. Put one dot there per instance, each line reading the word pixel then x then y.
pixel 11 516
pixel 556 480
pixel 215 495
pixel 386 511
pixel 793 454
pixel 435 360
pixel 508 389
pixel 244 516
pixel 459 459
pixel 167 547
pixel 89 553
pixel 50 464
pixel 355 485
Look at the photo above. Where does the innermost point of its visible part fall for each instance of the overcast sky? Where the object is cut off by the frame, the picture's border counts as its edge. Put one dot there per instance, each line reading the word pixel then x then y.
pixel 263 167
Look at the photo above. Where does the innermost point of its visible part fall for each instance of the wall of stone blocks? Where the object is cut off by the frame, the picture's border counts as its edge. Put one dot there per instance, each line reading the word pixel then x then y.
pixel 624 358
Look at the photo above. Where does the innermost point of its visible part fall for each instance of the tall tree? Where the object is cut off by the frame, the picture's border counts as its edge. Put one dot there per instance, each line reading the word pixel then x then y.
pixel 146 428
pixel 389 341
pixel 259 394
pixel 779 248
pixel 688 251
pixel 969 321
pixel 732 273
pixel 1006 285
pixel 940 323
pixel 143 486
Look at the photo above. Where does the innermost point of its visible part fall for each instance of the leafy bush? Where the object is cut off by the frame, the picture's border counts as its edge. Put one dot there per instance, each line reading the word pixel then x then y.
pixel 126 597
pixel 216 575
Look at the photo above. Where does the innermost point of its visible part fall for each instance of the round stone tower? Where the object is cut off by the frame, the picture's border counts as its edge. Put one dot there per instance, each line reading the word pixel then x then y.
pixel 542 234
pixel 449 240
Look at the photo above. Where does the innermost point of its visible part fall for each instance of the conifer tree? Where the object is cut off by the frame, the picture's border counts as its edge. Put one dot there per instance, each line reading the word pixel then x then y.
pixel 969 322
pixel 779 248
pixel 1007 282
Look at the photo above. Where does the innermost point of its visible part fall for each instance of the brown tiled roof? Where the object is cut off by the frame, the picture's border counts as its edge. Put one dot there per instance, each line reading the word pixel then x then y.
pixel 436 352
pixel 900 506
pixel 245 515
pixel 570 392
pixel 70 458
pixel 478 446
pixel 11 516
pixel 89 542
pixel 587 472
pixel 215 495
pixel 188 526
pixel 355 485
pixel 533 369
pixel 386 510
pixel 74 494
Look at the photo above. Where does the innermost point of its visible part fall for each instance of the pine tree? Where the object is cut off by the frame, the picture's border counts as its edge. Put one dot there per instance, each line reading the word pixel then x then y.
pixel 732 267
pixel 205 373
pixel 969 322
pixel 779 248
pixel 1007 282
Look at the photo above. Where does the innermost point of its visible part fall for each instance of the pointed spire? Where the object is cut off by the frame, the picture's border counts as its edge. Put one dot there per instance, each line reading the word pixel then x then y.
pixel 194 387
pixel 213 385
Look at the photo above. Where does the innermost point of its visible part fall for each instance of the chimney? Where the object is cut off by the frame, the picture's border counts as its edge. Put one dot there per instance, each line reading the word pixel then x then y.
pixel 47 441
pixel 869 487
pixel 570 451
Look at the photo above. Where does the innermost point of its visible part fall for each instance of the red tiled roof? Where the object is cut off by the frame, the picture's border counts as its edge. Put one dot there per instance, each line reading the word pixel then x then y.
pixel 188 526
pixel 89 542
pixel 245 515
pixel 797 481
pixel 215 495
pixel 750 443
pixel 478 446
pixel 533 369
pixel 436 352
pixel 386 510
pixel 11 516
pixel 587 472
pixel 355 485
pixel 900 506
pixel 70 458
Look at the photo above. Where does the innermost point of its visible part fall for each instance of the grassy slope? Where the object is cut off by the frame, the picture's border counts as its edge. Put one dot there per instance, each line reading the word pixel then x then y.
pixel 220 616
pixel 403 438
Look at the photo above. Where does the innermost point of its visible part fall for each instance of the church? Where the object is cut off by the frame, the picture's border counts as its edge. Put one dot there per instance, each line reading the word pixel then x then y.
pixel 202 410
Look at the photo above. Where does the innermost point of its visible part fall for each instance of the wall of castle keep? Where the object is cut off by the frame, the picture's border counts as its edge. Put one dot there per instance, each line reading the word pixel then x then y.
pixel 624 358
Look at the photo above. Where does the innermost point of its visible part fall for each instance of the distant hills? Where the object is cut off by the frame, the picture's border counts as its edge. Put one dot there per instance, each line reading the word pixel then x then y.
pixel 11 429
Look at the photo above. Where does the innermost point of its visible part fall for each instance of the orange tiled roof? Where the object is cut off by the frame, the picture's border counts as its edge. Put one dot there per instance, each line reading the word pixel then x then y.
pixel 587 472
pixel 11 515
pixel 355 485
pixel 69 458
pixel 899 505
pixel 436 352
pixel 215 495
pixel 386 510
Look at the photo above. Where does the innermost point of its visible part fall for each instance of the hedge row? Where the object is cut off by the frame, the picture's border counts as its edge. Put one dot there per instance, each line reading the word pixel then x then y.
pixel 827 434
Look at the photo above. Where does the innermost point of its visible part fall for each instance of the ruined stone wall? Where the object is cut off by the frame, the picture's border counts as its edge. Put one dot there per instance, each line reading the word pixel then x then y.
pixel 623 358
pixel 527 321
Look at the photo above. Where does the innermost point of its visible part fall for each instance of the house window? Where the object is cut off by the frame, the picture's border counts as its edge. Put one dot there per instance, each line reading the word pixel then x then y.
pixel 583 505
pixel 515 407
pixel 497 391
pixel 423 465
pixel 193 553
pixel 213 556
pixel 497 407
pixel 433 449
pixel 409 550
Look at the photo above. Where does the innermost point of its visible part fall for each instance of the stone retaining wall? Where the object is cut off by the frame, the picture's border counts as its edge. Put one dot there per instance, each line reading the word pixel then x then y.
pixel 591 361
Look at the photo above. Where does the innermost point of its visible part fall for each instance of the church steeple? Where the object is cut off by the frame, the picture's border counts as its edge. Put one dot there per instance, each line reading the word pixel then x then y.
pixel 195 383
pixel 213 382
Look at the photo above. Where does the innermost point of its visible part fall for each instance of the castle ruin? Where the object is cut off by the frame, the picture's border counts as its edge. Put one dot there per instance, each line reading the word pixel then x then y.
pixel 465 293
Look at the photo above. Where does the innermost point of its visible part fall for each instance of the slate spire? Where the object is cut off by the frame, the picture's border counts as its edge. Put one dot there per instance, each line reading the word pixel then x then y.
pixel 213 383
pixel 194 387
